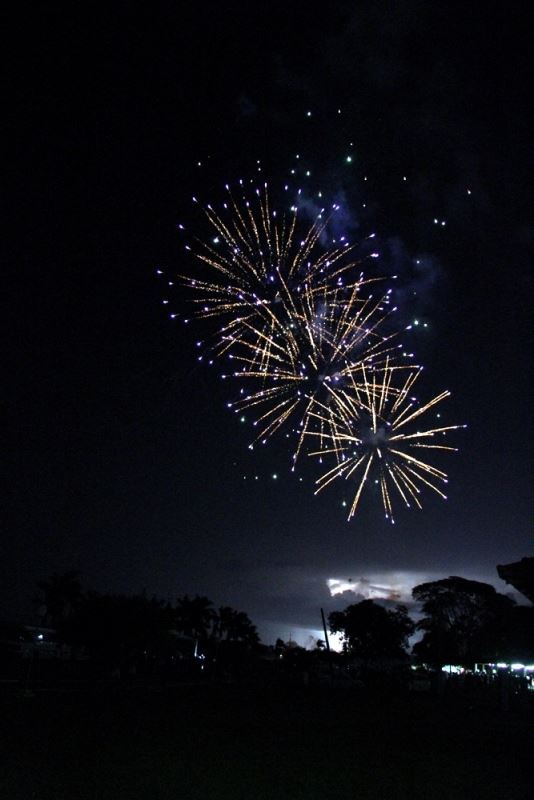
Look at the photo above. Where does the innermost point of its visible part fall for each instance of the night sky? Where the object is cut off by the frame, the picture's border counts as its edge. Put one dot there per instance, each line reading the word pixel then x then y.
pixel 122 459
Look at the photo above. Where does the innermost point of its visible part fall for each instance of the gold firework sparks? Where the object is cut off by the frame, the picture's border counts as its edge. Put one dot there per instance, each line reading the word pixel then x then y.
pixel 370 434
pixel 299 318
pixel 315 359
pixel 259 262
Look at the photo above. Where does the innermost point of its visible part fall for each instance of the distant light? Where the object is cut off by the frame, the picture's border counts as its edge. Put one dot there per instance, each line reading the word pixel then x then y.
pixel 308 113
pixel 349 159
pixel 40 636
pixel 275 476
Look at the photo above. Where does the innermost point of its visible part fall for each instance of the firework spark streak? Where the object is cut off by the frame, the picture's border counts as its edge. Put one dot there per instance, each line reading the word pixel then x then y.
pixel 260 262
pixel 370 435
pixel 319 353
pixel 298 316
pixel 313 343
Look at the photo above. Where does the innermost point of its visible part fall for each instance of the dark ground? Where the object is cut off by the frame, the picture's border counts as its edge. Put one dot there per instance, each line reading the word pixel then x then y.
pixel 223 742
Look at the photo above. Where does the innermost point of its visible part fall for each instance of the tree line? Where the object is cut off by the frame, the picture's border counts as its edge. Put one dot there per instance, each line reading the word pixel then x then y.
pixel 118 624
pixel 462 622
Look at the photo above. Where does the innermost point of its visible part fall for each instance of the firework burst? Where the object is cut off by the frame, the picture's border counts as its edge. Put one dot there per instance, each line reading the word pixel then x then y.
pixel 313 343
pixel 298 314
pixel 370 434
pixel 259 263
pixel 318 355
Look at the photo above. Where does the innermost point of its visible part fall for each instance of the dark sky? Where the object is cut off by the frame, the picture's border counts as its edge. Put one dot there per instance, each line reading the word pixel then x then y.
pixel 122 461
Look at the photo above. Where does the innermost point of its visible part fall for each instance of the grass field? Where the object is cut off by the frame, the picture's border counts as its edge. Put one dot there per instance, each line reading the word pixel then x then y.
pixel 207 742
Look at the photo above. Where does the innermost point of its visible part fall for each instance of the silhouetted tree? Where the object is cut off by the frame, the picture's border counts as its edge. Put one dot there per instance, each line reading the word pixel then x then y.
pixel 221 621
pixel 234 626
pixel 370 630
pixel 520 640
pixel 194 615
pixel 60 597
pixel 279 647
pixel 119 628
pixel 465 621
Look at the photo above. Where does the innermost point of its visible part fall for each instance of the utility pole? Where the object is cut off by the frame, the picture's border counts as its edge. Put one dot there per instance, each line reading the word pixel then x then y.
pixel 328 649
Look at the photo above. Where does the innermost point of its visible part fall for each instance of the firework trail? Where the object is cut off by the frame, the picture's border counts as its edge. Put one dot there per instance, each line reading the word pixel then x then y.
pixel 297 316
pixel 321 353
pixel 260 261
pixel 370 434
pixel 313 344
